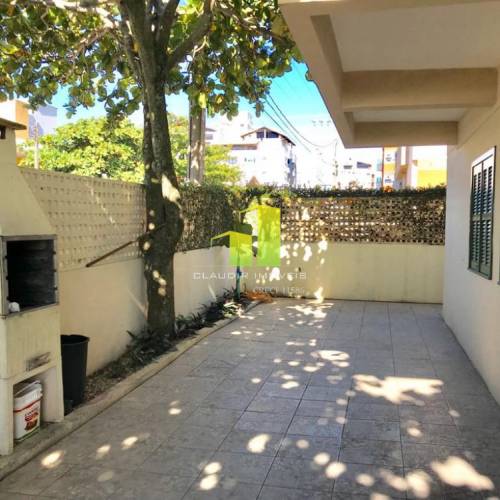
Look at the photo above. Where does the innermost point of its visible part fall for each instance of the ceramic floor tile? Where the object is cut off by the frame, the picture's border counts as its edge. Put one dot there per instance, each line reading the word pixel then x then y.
pixel 299 473
pixel 287 404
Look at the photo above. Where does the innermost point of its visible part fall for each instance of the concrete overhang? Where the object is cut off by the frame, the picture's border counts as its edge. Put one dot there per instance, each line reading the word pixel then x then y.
pixel 399 72
pixel 12 125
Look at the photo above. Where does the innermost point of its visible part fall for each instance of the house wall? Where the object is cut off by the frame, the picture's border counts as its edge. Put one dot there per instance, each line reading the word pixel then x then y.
pixel 471 302
pixel 355 271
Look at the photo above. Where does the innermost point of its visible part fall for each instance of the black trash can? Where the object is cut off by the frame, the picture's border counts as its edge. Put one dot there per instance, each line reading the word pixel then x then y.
pixel 74 367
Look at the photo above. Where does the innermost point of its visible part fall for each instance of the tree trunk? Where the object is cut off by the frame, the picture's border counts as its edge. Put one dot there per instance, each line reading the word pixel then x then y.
pixel 162 189
pixel 197 126
pixel 159 247
pixel 163 212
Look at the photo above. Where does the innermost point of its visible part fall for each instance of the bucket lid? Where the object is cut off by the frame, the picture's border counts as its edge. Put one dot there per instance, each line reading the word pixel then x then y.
pixel 26 387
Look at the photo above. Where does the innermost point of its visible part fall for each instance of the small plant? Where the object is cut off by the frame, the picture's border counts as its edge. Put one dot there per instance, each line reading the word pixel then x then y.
pixel 147 345
pixel 223 307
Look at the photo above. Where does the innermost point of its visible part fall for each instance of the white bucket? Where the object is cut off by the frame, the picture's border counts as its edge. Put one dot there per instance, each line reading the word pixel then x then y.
pixel 27 408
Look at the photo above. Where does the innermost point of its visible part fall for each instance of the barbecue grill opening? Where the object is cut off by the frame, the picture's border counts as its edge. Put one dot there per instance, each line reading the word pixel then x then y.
pixel 29 273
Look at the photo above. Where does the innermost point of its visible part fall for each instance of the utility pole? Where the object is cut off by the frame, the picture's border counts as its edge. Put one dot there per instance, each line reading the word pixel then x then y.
pixel 37 144
pixel 197 126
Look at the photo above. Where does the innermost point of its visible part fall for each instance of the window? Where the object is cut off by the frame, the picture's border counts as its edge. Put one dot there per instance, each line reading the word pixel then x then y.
pixel 3 132
pixel 361 164
pixel 481 214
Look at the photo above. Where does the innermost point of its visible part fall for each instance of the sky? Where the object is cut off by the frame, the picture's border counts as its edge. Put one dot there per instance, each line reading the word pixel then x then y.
pixel 299 100
pixel 297 97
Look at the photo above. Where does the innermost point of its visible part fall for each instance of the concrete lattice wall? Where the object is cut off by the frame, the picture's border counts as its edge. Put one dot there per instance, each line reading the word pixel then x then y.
pixel 91 216
pixel 388 218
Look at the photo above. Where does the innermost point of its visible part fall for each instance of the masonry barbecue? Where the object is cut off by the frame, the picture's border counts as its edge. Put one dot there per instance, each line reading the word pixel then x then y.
pixel 29 311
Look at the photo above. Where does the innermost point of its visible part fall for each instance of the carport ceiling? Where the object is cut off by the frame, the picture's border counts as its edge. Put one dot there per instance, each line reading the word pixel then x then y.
pixel 399 72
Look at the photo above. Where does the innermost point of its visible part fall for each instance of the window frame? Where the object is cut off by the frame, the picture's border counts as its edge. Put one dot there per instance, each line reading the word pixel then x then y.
pixel 481 216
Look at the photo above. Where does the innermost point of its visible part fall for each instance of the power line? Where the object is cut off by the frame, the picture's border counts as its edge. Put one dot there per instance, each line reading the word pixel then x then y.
pixel 303 80
pixel 278 83
pixel 284 127
pixel 281 112
pixel 273 104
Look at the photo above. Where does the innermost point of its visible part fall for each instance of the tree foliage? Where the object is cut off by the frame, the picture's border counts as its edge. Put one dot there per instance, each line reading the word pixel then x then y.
pixel 92 147
pixel 125 53
pixel 217 51
pixel 96 148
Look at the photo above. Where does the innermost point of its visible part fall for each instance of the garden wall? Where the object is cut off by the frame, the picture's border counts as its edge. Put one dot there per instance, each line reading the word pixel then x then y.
pixel 386 247
pixel 93 216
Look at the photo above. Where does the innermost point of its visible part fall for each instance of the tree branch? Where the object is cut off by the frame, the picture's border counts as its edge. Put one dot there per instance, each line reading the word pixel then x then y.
pixel 200 29
pixel 127 43
pixel 167 18
pixel 90 40
pixel 99 7
pixel 231 13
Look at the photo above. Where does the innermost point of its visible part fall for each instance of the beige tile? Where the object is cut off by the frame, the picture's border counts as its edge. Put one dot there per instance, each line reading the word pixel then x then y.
pixel 215 488
pixel 244 467
pixel 35 476
pixel 181 462
pixel 264 422
pixel 264 400
pixel 373 411
pixel 274 405
pixel 275 493
pixel 310 447
pixel 372 429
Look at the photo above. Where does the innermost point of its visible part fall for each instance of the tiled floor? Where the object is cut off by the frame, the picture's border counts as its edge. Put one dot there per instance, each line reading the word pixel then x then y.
pixel 344 400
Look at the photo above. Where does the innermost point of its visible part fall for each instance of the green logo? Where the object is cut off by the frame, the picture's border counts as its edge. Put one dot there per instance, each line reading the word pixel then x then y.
pixel 268 238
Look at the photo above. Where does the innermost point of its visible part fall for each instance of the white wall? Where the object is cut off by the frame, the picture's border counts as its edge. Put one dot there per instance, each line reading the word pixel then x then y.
pixel 103 302
pixel 20 212
pixel 356 271
pixel 200 276
pixel 106 301
pixel 471 302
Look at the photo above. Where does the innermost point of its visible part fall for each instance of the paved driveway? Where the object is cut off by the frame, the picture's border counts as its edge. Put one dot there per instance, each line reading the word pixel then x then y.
pixel 294 401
